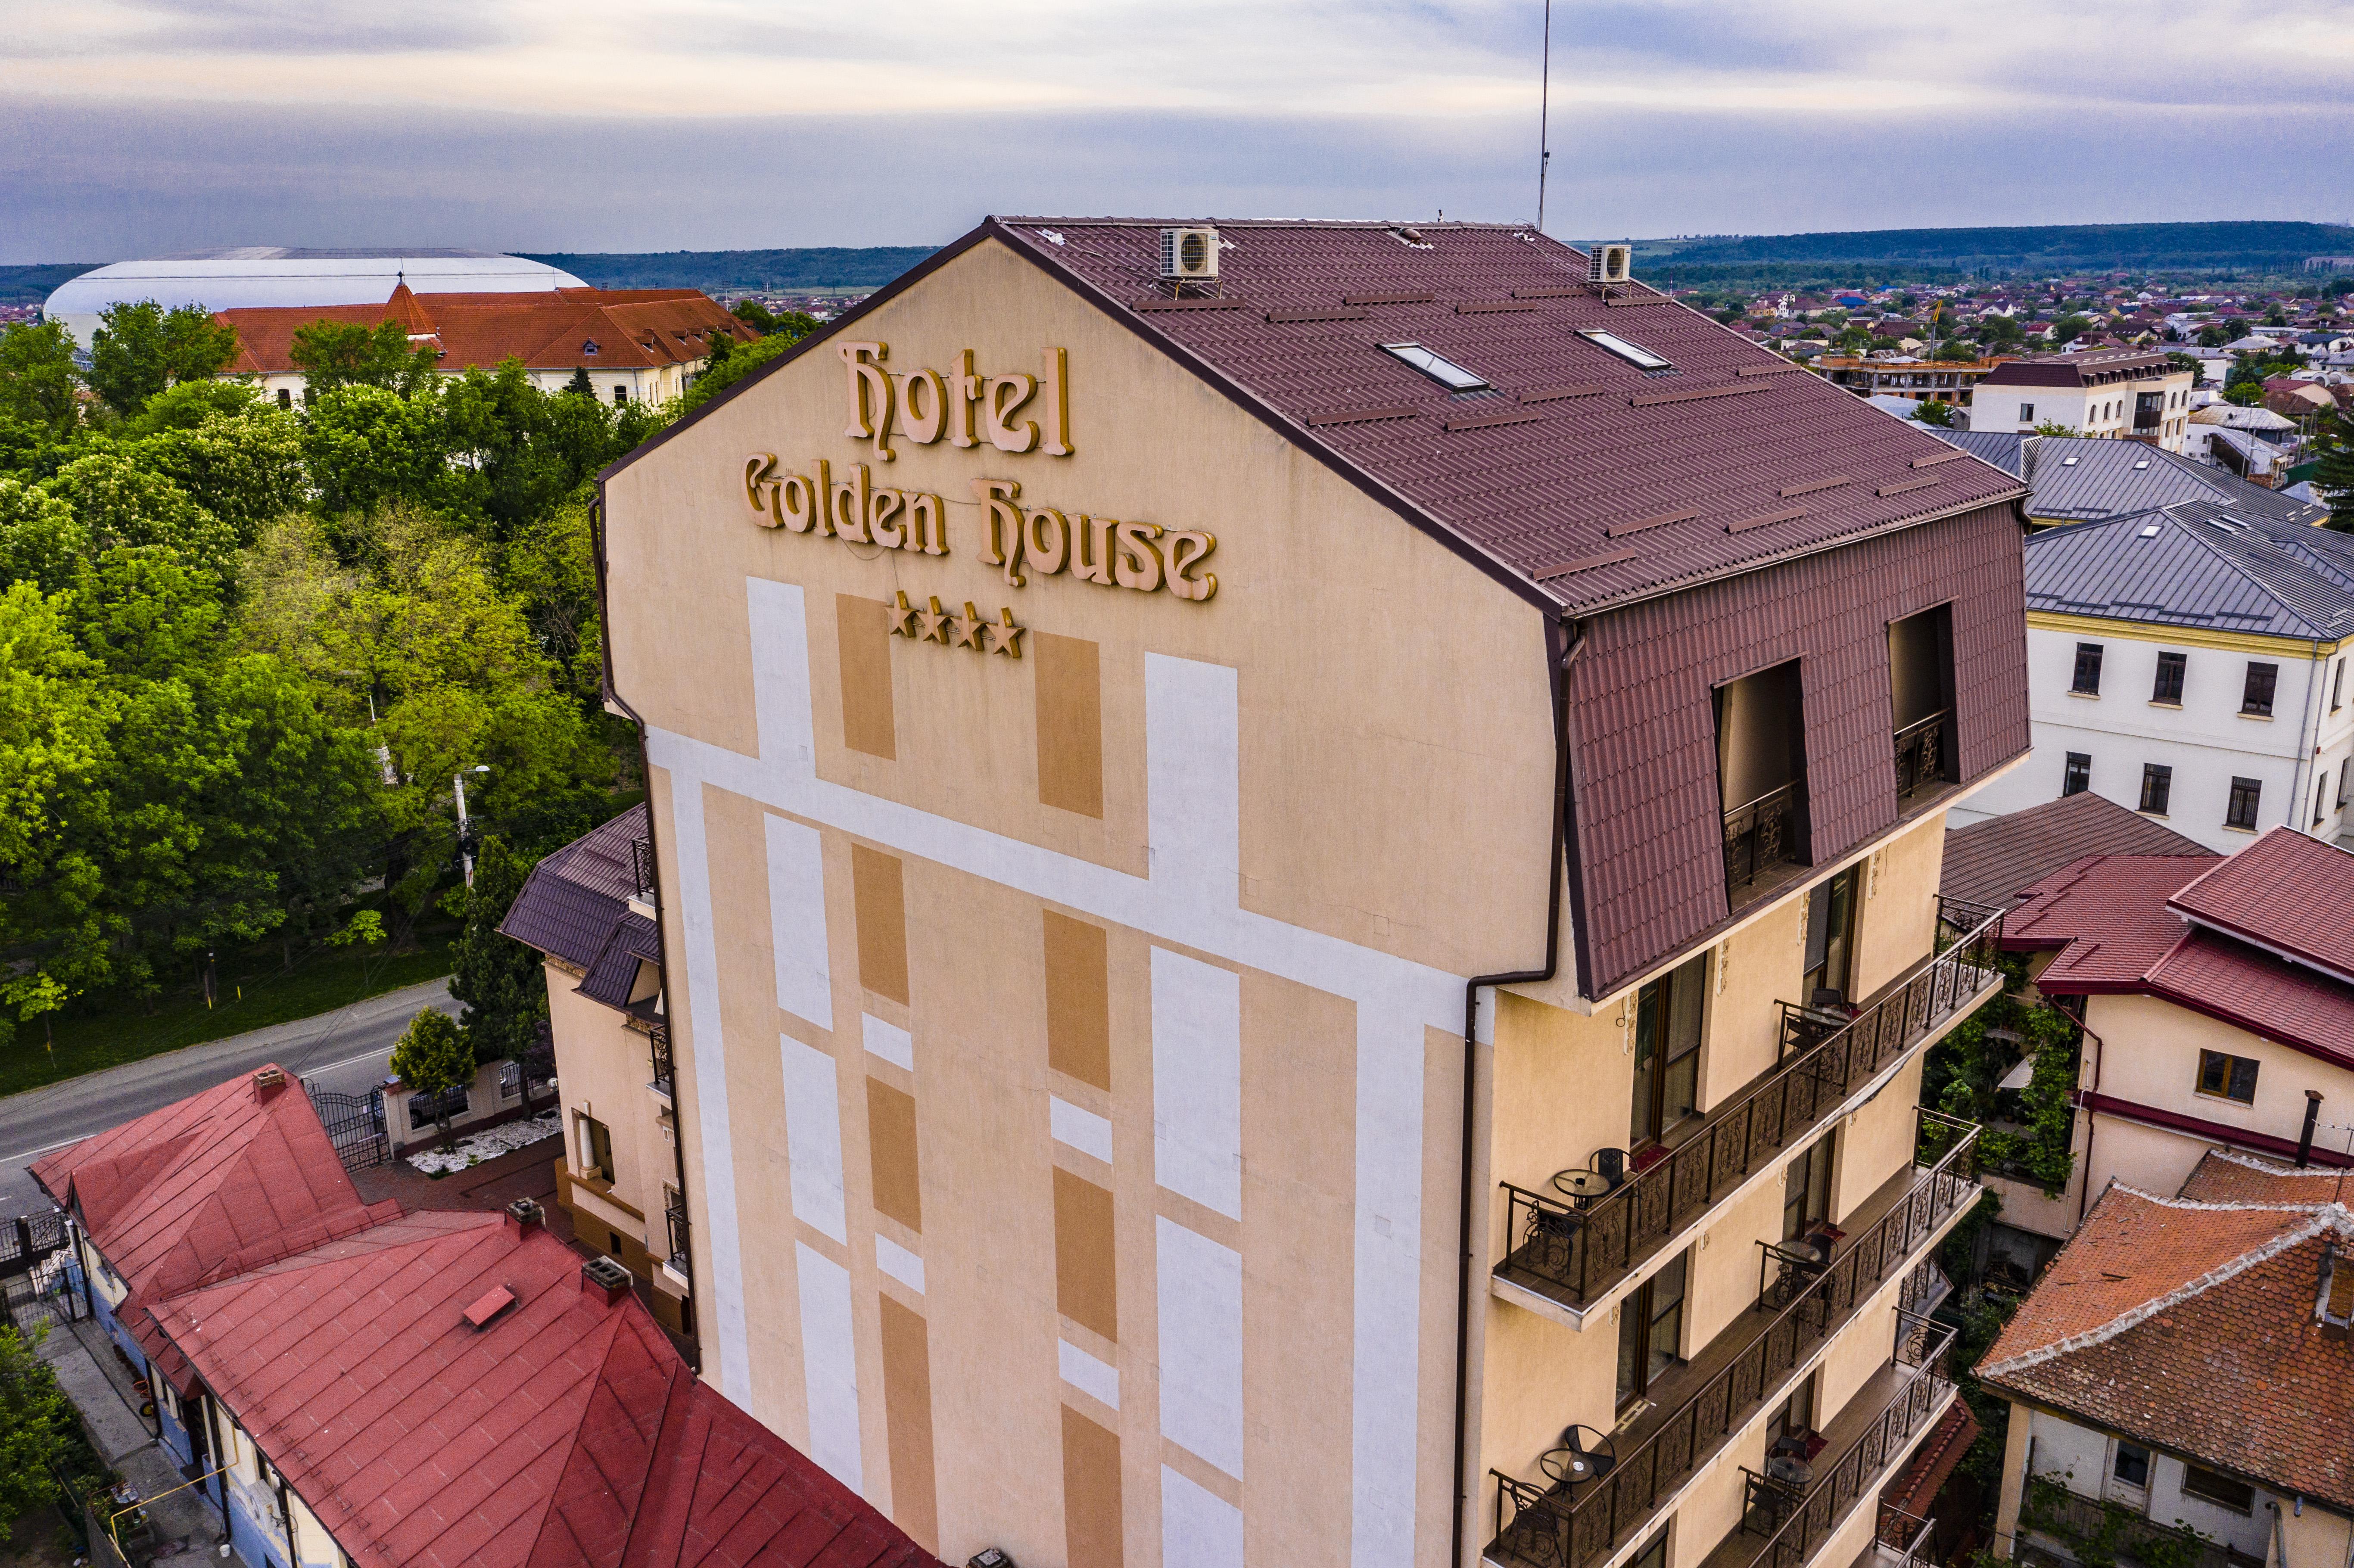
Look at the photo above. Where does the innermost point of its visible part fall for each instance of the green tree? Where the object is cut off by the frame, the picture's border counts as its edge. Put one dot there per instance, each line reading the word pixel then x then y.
pixel 580 386
pixel 41 540
pixel 37 374
pixel 745 360
pixel 2335 479
pixel 2069 328
pixel 1956 351
pixel 35 1421
pixel 1934 411
pixel 245 469
pixel 2215 334
pixel 498 979
pixel 142 348
pixel 547 569
pixel 433 1056
pixel 368 448
pixel 332 354
pixel 2244 394
pixel 123 500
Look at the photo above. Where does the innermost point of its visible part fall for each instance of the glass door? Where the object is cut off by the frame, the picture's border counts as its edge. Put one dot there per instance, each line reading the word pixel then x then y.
pixel 1830 940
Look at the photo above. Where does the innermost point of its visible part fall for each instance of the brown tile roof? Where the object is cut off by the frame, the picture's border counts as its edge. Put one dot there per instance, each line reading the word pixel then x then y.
pixel 632 328
pixel 2094 367
pixel 2106 914
pixel 575 897
pixel 1995 861
pixel 2192 1326
pixel 2286 892
pixel 1722 437
pixel 2222 1176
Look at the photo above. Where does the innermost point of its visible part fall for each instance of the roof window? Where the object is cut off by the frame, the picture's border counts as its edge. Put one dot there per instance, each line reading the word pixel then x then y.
pixel 588 346
pixel 1633 353
pixel 1446 372
pixel 2150 532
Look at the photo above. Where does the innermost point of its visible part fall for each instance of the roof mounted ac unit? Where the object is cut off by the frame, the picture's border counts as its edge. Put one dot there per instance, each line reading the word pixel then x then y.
pixel 1610 262
pixel 1188 253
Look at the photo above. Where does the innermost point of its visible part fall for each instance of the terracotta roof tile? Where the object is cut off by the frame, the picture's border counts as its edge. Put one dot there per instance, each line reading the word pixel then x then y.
pixel 2225 1176
pixel 632 329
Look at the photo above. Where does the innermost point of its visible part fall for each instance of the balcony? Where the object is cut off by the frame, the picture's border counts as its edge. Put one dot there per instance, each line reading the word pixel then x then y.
pixel 1761 780
pixel 641 868
pixel 658 1040
pixel 674 1215
pixel 1565 1258
pixel 1763 835
pixel 1922 771
pixel 1802 1305
pixel 2082 1525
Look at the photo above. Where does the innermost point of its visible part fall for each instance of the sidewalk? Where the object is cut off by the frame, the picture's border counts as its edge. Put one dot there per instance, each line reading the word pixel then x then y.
pixel 99 1385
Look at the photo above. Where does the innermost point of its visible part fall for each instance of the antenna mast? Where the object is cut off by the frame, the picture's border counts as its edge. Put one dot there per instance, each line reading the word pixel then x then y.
pixel 1544 88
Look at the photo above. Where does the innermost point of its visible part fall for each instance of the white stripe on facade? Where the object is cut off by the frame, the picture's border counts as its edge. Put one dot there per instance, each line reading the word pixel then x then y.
pixel 1085 1373
pixel 1081 1129
pixel 1198 1286
pixel 1180 903
pixel 888 1040
pixel 813 1137
pixel 899 1262
pixel 797 921
pixel 1199 1528
pixel 829 1364
pixel 1197 1081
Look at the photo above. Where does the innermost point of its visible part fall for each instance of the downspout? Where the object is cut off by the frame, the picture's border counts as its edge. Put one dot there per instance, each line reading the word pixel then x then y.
pixel 662 910
pixel 1560 660
pixel 2092 1119
pixel 2305 773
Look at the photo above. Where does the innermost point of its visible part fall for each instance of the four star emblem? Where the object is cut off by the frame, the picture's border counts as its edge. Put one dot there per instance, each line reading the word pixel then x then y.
pixel 972 629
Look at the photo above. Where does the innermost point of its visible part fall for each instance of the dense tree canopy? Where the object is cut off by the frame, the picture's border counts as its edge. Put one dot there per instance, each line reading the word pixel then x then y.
pixel 141 349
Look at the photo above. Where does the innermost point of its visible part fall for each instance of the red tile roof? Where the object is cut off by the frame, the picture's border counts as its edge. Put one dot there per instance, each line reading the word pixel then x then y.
pixel 2113 919
pixel 2291 893
pixel 2224 1177
pixel 425 1422
pixel 1995 861
pixel 632 329
pixel 2192 1325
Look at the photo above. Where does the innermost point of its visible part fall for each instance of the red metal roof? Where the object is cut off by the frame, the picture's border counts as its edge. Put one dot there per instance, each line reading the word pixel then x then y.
pixel 2286 892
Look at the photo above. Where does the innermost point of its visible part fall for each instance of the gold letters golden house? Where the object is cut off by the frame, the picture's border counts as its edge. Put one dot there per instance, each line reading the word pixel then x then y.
pixel 1287 911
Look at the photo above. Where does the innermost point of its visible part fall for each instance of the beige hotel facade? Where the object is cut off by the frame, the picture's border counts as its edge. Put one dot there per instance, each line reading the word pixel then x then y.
pixel 1230 856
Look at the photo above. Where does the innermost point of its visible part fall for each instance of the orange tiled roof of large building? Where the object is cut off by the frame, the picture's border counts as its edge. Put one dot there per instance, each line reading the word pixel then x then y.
pixel 625 329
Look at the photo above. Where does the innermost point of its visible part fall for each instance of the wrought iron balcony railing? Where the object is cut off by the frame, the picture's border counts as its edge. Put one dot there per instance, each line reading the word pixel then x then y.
pixel 642 867
pixel 1572 1255
pixel 1902 1538
pixel 1921 755
pixel 1561 1526
pixel 1763 834
pixel 658 1038
pixel 675 1215
pixel 1838 1488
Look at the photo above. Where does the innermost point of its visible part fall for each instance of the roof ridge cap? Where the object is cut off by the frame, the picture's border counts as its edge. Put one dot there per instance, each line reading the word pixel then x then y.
pixel 2326 1217
pixel 2247 570
pixel 2233 1157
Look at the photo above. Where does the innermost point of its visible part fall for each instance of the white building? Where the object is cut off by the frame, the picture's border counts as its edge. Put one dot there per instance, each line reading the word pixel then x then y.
pixel 2107 392
pixel 264 276
pixel 2189 665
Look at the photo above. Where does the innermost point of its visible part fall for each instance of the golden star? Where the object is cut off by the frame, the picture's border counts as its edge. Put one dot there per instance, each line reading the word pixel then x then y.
pixel 1004 637
pixel 935 622
pixel 903 617
pixel 964 630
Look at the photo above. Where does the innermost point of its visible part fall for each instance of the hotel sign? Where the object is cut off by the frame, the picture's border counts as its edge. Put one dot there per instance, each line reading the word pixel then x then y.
pixel 1015 412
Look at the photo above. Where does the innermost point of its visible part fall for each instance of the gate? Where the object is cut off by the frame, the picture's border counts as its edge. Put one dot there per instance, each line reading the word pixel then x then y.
pixel 36 1286
pixel 355 1125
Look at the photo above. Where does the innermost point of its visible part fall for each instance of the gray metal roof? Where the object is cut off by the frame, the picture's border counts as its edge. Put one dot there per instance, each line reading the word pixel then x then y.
pixel 2083 477
pixel 2198 564
pixel 2006 449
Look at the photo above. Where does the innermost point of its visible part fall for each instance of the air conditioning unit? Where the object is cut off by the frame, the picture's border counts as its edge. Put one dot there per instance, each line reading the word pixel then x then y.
pixel 1187 253
pixel 1610 262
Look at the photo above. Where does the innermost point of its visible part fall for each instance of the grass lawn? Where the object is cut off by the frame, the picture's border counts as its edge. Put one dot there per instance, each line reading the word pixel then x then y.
pixel 255 991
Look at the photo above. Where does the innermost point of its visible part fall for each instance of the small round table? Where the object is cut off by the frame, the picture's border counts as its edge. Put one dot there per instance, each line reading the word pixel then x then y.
pixel 1567 1465
pixel 1581 1187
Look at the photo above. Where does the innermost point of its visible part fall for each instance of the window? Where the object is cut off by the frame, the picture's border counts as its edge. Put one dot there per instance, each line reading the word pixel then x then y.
pixel 596 1150
pixel 510 1080
pixel 2078 775
pixel 2168 688
pixel 2088 670
pixel 1654 1553
pixel 2221 1490
pixel 1666 1050
pixel 1806 1190
pixel 1797 1416
pixel 1446 372
pixel 286 397
pixel 2337 685
pixel 2026 413
pixel 2258 698
pixel 2344 774
pixel 621 393
pixel 1651 1330
pixel 2242 813
pixel 2131 1465
pixel 2157 787
pixel 1633 353
pixel 2321 798
pixel 1831 937
pixel 2233 1078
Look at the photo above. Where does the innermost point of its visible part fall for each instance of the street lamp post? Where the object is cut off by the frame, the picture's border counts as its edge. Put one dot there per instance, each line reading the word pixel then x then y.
pixel 458 789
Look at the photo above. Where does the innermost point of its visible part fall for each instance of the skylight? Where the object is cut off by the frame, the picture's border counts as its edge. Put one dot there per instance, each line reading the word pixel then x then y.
pixel 1633 353
pixel 1446 372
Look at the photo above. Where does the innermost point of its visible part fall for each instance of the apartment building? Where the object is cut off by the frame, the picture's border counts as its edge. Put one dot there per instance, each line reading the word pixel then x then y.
pixel 1296 867
pixel 1907 376
pixel 2109 393
pixel 2177 1378
pixel 2217 996
pixel 2188 662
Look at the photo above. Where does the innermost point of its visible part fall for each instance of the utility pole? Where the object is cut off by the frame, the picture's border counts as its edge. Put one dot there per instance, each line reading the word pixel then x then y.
pixel 465 851
pixel 1544 93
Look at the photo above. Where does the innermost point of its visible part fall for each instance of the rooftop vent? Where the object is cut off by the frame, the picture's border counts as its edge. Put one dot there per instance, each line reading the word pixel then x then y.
pixel 1189 253
pixel 602 1273
pixel 1611 262
pixel 526 1213
pixel 2150 532
pixel 267 1080
pixel 488 1305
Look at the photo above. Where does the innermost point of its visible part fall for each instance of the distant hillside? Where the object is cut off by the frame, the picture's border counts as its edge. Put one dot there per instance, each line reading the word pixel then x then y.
pixel 31 285
pixel 2206 247
pixel 820 268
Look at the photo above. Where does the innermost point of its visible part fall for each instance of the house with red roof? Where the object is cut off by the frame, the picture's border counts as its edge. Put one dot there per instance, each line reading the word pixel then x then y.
pixel 632 344
pixel 2217 995
pixel 2177 1378
pixel 360 1387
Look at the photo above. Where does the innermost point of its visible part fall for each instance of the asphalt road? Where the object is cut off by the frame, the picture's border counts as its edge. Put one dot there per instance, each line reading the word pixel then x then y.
pixel 346 1049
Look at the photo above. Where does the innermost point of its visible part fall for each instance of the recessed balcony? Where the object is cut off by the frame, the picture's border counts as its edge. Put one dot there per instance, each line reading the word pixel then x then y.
pixel 1576 1515
pixel 1567 1256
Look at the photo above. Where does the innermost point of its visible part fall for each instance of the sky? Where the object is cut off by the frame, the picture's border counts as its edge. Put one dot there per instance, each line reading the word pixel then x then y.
pixel 143 127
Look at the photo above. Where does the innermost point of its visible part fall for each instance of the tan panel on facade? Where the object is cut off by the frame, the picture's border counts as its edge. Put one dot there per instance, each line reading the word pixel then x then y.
pixel 1085 1278
pixel 891 1146
pixel 908 1411
pixel 861 631
pixel 1078 1001
pixel 882 921
pixel 1070 723
pixel 1091 1537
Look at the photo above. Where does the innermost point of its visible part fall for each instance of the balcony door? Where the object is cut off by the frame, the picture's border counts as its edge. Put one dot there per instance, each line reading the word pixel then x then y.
pixel 1830 940
pixel 1667 1051
pixel 1652 1331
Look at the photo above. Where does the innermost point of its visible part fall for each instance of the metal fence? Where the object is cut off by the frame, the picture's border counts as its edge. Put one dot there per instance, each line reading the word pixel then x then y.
pixel 355 1125
pixel 2107 1531
pixel 1567 1526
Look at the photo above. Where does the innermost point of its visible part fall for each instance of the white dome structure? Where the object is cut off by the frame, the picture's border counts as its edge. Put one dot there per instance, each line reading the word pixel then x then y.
pixel 285 276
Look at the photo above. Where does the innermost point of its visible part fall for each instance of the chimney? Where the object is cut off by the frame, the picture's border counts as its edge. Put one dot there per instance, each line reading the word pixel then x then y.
pixel 268 1081
pixel 602 1273
pixel 2304 1138
pixel 525 1213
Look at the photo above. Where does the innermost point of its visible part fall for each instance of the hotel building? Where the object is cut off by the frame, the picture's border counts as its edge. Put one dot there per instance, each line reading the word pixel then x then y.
pixel 1294 878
